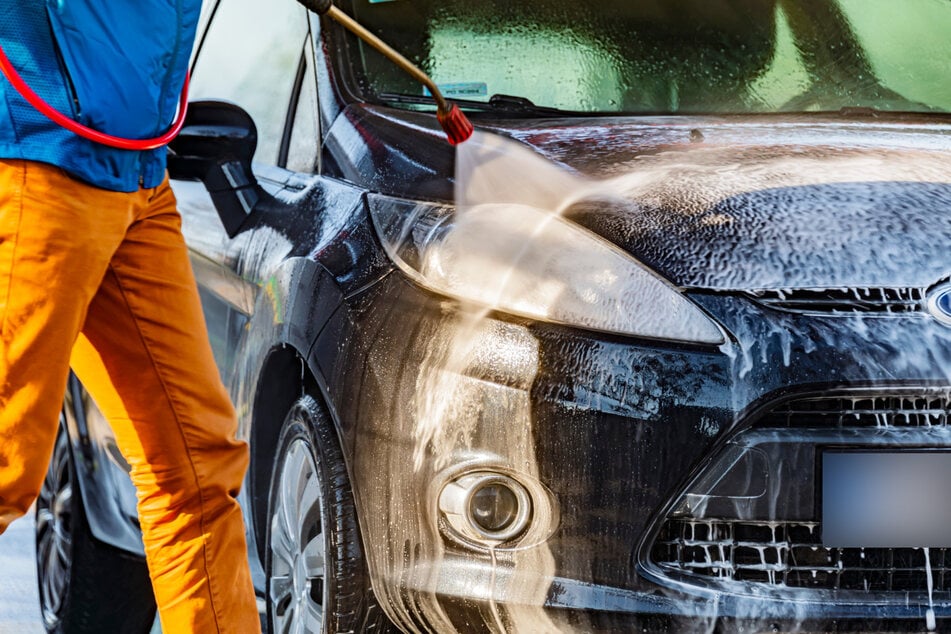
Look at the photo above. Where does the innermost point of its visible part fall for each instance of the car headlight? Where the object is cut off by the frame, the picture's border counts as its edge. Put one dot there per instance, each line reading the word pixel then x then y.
pixel 531 262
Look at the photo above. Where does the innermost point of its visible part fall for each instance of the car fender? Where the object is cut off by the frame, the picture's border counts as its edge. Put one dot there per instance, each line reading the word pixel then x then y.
pixel 293 306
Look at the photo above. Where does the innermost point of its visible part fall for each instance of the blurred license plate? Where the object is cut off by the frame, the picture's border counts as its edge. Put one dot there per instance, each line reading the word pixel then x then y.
pixel 886 500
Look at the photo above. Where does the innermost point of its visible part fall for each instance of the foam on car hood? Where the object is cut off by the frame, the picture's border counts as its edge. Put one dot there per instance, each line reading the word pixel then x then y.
pixel 764 205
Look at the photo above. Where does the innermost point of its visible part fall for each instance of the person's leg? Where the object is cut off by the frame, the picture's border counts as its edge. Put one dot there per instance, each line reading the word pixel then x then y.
pixel 56 239
pixel 145 358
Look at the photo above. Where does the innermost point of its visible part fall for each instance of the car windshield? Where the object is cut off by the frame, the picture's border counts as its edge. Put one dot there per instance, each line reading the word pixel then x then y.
pixel 669 56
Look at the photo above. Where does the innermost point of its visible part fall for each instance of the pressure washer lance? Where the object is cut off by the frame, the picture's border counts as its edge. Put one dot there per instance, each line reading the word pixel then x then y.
pixel 457 127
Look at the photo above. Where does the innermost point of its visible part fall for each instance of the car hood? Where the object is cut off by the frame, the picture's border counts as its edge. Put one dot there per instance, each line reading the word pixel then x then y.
pixel 764 204
pixel 720 203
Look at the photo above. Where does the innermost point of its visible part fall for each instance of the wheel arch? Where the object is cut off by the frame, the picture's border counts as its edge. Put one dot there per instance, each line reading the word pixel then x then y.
pixel 285 377
pixel 287 322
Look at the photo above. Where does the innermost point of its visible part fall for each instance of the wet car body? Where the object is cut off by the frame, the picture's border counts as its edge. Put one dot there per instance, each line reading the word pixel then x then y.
pixel 673 485
pixel 619 428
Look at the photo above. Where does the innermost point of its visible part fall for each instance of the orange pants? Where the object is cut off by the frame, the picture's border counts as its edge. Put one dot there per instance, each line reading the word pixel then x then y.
pixel 109 274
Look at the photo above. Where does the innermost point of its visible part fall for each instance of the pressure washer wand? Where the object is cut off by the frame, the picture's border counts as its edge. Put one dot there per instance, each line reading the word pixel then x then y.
pixel 458 128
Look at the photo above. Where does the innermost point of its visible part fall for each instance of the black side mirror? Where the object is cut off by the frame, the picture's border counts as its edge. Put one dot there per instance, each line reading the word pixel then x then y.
pixel 215 146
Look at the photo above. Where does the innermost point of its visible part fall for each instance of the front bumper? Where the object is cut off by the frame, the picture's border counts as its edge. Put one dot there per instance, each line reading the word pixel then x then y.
pixel 615 429
pixel 476 595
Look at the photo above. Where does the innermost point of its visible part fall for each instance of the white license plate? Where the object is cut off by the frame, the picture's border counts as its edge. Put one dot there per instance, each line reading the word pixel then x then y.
pixel 886 499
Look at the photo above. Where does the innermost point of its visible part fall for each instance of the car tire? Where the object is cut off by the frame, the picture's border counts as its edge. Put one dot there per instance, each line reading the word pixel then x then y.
pixel 317 580
pixel 85 586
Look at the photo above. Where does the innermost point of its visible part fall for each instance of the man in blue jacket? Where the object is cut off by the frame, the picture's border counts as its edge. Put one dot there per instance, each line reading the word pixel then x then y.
pixel 93 265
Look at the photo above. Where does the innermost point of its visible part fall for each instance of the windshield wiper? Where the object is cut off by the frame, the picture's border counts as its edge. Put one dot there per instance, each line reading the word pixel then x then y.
pixel 508 104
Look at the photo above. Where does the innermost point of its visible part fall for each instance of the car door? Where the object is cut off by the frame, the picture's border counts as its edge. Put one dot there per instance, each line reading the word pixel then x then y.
pixel 266 287
pixel 250 55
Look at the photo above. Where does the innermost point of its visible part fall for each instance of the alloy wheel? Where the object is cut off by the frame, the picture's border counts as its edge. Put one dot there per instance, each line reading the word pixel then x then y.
pixel 297 585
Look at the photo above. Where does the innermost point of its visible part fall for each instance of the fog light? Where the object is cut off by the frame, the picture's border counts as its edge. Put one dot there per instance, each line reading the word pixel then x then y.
pixel 494 507
pixel 490 508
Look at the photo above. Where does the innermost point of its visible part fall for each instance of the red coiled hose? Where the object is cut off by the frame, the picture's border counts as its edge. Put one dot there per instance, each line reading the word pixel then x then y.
pixel 86 132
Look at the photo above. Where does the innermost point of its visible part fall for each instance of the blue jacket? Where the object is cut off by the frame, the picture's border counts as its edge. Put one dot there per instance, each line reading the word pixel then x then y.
pixel 116 66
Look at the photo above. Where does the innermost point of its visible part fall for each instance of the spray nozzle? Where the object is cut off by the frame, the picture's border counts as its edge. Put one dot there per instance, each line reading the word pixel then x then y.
pixel 458 128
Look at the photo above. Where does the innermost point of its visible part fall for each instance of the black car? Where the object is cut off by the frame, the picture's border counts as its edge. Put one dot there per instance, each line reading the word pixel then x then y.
pixel 665 346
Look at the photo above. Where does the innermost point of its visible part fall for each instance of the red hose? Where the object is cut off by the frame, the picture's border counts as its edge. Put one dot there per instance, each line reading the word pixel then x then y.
pixel 88 133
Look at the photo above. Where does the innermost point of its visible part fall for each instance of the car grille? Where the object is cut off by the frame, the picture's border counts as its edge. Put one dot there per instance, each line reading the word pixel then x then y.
pixel 901 409
pixel 787 552
pixel 791 554
pixel 840 300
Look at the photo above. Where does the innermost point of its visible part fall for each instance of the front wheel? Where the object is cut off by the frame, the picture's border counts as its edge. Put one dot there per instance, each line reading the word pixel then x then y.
pixel 316 574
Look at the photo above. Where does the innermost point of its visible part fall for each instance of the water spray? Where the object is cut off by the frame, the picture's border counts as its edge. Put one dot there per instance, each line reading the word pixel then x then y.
pixel 457 127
